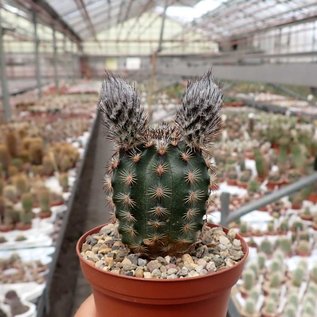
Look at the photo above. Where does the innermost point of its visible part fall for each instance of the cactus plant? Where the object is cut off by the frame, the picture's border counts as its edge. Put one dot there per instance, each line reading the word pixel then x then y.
pixel 266 247
pixel 254 294
pixel 289 311
pixel 297 277
pixel 10 218
pixel 1 186
pixel 283 227
pixel 261 165
pixel 21 184
pixel 306 214
pixel 248 279
pixel 44 201
pixel 5 158
pixel 253 186
pixel 313 274
pixel 312 288
pixel 261 260
pixel 25 214
pixel 27 202
pixel 309 309
pixel 48 166
pixel 36 151
pixel 285 245
pixel 158 181
pixel 12 143
pixel 275 280
pixel 63 181
pixel 292 299
pixel 303 247
pixel 270 307
pixel 249 307
pixel 10 193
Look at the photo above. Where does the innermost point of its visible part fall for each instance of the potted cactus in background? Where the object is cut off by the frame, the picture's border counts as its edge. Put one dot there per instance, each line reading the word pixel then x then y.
pixel 44 202
pixel 158 257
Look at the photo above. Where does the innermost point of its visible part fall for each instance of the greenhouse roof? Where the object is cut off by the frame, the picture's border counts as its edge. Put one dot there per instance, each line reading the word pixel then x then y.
pixel 218 19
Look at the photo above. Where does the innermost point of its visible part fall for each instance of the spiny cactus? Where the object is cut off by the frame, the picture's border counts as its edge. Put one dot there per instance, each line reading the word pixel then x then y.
pixel 44 199
pixel 48 165
pixel 158 181
pixel 27 202
pixel 63 181
pixel 12 143
pixel 21 183
pixel 5 158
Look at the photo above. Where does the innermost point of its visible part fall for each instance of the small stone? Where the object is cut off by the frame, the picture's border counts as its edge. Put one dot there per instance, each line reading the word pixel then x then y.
pixel 91 256
pixel 161 260
pixel 224 240
pixel 193 274
pixel 100 264
pixel 108 260
pixel 198 268
pixel 156 273
pixel 163 269
pixel 108 239
pixel 142 262
pixel 236 243
pixel 202 263
pixel 138 272
pixel 133 258
pixel 172 276
pixel 201 251
pixel 115 271
pixel 120 255
pixel 117 245
pixel 183 272
pixel 107 229
pixel 85 247
pixel 167 259
pixel 203 272
pixel 90 240
pixel 210 266
pixel 232 233
pixel 128 273
pixel 171 271
pixel 218 231
pixel 152 265
pixel 188 262
pixel 147 275
pixel 170 266
pixel 187 258
pixel 127 265
pixel 104 250
pixel 235 255
pixel 126 261
pixel 229 262
pixel 218 261
pixel 163 275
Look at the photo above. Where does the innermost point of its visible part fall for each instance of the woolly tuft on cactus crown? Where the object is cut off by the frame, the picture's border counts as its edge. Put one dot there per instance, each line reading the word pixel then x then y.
pixel 158 182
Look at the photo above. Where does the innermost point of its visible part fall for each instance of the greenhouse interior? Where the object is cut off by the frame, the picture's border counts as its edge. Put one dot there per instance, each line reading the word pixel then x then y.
pixel 158 158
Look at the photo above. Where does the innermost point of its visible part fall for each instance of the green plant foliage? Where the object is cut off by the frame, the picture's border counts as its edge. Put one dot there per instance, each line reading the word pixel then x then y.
pixel 158 181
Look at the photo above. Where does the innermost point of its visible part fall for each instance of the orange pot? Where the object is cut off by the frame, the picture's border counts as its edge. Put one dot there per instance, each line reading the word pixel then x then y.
pixel 118 295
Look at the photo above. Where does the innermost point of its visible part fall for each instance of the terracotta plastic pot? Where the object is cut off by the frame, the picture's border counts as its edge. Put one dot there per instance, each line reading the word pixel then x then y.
pixel 117 295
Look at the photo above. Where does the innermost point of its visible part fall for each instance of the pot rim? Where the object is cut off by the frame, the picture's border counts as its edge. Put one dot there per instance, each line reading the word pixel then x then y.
pixel 80 241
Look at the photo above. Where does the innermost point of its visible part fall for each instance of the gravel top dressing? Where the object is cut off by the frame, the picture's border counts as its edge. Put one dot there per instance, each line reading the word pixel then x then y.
pixel 214 250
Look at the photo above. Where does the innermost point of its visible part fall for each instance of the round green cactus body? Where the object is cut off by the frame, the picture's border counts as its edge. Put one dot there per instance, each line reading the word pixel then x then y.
pixel 160 196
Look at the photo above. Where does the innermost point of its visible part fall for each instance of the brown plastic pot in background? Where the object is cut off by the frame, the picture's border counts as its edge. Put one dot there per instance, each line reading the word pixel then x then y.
pixel 123 296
